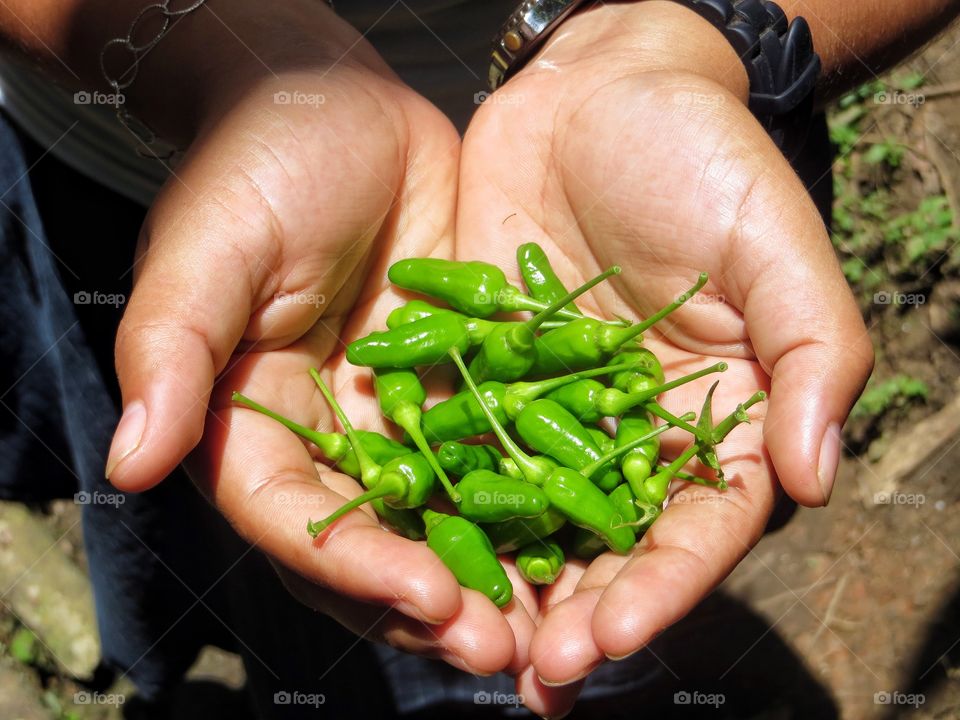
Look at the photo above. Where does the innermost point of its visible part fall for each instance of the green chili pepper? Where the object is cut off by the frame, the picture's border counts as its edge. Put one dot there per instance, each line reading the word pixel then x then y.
pixel 421 342
pixel 588 343
pixel 611 402
pixel 586 506
pixel 586 544
pixel 535 469
pixel 541 562
pixel 489 497
pixel 509 535
pixel 637 464
pixel 461 415
pixel 459 458
pixel 643 363
pixel 404 482
pixel 550 429
pixel 508 352
pixel 600 437
pixel 538 275
pixel 478 327
pixel 407 522
pixel 401 395
pixel 580 398
pixel 468 554
pixel 334 446
pixel 478 289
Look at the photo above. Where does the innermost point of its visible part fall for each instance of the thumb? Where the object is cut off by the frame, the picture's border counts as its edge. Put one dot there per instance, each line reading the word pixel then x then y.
pixel 199 274
pixel 809 335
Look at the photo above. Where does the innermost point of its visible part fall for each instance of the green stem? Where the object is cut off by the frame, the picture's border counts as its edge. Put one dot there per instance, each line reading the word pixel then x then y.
pixel 661 480
pixel 654 319
pixel 737 416
pixel 369 469
pixel 407 416
pixel 625 401
pixel 538 319
pixel 333 445
pixel 526 464
pixel 624 449
pixel 664 414
pixel 385 488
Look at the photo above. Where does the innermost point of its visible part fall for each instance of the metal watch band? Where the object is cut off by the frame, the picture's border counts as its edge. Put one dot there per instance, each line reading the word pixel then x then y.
pixel 778 56
pixel 523 33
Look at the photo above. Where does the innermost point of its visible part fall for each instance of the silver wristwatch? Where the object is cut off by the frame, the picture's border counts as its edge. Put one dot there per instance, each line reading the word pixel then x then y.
pixel 523 33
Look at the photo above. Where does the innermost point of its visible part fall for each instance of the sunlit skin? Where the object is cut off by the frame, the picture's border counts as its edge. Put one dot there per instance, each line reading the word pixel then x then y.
pixel 626 142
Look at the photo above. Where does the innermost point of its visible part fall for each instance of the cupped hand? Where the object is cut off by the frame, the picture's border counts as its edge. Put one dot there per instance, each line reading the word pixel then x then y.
pixel 627 142
pixel 306 179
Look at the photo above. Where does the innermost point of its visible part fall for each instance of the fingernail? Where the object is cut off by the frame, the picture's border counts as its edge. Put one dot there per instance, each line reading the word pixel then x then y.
pixel 567 682
pixel 829 460
pixel 621 657
pixel 127 437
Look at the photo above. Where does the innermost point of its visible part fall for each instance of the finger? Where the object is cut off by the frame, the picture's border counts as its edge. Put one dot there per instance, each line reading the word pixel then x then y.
pixel 233 248
pixel 261 477
pixel 520 613
pixel 563 648
pixel 478 639
pixel 543 700
pixel 692 547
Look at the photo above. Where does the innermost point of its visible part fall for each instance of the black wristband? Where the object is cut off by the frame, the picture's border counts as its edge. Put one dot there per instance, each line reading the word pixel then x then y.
pixel 780 61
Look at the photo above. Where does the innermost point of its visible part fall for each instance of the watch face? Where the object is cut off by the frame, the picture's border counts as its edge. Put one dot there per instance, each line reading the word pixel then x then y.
pixel 539 15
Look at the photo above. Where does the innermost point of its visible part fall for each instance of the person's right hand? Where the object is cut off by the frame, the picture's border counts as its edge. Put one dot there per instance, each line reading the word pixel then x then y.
pixel 312 169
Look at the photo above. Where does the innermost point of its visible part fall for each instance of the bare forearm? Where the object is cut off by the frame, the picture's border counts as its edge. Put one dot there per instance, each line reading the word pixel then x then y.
pixel 859 39
pixel 223 44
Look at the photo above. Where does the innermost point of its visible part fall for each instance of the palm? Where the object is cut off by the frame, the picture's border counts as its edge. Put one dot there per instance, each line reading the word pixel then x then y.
pixel 309 295
pixel 621 181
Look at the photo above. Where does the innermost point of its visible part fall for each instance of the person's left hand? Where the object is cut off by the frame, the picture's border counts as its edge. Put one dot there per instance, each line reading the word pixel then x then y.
pixel 627 141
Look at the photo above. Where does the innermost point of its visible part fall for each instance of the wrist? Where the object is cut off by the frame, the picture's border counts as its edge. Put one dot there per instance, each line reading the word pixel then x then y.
pixel 652 35
pixel 213 56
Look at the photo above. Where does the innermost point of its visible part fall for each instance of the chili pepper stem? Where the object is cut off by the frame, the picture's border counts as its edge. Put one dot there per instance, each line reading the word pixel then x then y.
pixel 526 464
pixel 518 394
pixel 407 416
pixel 334 446
pixel 657 317
pixel 537 320
pixel 590 469
pixel 613 402
pixel 369 470
pixel 661 412
pixel 386 486
pixel 737 416
pixel 661 480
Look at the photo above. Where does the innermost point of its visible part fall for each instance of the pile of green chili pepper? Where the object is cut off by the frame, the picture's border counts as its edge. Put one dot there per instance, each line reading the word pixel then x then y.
pixel 570 399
